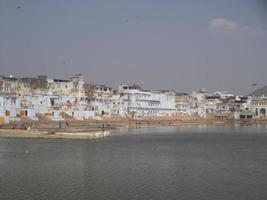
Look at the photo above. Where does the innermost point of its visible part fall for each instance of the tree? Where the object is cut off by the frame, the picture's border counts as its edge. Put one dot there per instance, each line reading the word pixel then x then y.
pixel 89 90
pixel 132 113
pixel 136 86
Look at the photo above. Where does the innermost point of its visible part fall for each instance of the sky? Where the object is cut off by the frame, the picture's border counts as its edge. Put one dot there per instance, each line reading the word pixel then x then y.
pixel 183 45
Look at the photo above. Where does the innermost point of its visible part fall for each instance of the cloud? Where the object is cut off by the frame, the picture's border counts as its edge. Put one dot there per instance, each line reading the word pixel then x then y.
pixel 223 25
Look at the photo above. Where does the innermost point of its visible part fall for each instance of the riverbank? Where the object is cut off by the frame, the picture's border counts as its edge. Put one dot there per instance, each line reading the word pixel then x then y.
pixel 94 129
pixel 83 129
pixel 17 133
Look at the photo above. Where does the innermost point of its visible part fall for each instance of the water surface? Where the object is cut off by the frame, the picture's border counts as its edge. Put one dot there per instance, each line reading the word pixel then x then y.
pixel 188 162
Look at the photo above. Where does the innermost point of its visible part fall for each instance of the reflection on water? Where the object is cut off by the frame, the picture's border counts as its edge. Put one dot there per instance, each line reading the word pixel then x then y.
pixel 201 128
pixel 187 162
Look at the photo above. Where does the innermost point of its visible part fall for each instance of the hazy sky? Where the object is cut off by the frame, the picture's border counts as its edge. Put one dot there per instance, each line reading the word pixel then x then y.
pixel 183 45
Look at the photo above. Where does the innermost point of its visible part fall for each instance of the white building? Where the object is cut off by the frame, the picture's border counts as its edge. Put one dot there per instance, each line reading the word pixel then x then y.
pixel 9 108
pixel 147 104
pixel 259 106
pixel 48 105
pixel 101 103
pixel 119 106
pixel 224 94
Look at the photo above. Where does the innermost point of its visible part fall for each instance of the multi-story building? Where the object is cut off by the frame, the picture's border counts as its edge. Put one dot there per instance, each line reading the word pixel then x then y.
pixel 9 107
pixel 67 87
pixel 23 86
pixel 102 100
pixel 182 102
pixel 119 105
pixel 148 104
pixel 259 106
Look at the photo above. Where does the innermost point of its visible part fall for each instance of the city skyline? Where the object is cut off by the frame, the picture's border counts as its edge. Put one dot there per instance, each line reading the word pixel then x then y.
pixel 180 45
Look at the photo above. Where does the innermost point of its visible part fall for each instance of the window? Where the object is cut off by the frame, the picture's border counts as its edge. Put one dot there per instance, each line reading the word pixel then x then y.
pixel 7 113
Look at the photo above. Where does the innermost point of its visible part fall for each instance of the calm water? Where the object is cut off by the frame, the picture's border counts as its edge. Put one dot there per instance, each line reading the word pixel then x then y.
pixel 167 163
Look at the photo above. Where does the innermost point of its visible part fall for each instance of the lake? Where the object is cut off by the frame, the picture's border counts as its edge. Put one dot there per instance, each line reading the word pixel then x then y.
pixel 186 162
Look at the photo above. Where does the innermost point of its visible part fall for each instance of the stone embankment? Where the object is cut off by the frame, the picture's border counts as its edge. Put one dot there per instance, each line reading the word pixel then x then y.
pixel 93 129
pixel 18 133
pixel 90 129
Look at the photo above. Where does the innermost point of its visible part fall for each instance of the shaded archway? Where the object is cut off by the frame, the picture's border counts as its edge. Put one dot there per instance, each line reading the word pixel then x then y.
pixel 263 112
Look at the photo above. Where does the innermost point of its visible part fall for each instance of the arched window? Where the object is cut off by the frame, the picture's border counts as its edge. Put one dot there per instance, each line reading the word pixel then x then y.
pixel 263 112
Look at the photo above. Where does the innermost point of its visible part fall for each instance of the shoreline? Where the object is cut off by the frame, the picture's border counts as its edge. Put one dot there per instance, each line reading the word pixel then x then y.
pixel 94 130
pixel 18 133
pixel 102 129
